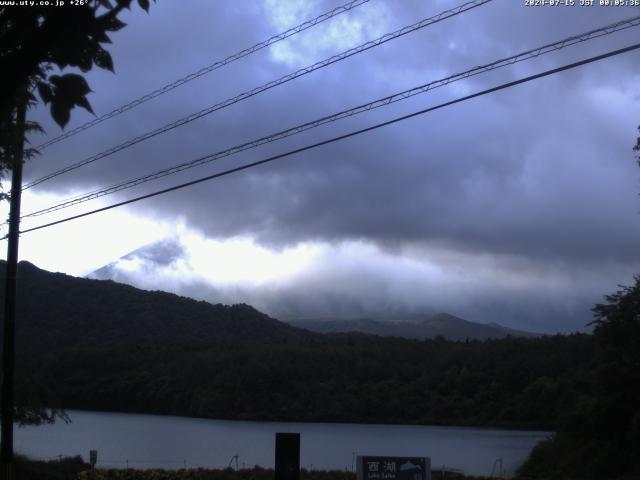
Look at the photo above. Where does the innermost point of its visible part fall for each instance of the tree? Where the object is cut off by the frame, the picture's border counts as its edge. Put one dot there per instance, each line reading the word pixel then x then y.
pixel 35 39
pixel 600 437
pixel 37 42
pixel 617 405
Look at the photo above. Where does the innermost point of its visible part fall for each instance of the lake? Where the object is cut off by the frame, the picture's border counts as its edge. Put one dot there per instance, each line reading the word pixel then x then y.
pixel 144 441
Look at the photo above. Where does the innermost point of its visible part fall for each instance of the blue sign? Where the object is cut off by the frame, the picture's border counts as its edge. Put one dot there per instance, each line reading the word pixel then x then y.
pixel 393 468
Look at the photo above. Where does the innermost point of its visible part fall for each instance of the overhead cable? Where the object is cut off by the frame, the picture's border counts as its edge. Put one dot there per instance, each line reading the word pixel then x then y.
pixel 208 69
pixel 340 137
pixel 267 86
pixel 545 49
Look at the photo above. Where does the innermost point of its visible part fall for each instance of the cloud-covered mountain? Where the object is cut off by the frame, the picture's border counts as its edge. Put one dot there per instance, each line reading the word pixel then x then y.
pixel 355 281
pixel 158 254
pixel 518 207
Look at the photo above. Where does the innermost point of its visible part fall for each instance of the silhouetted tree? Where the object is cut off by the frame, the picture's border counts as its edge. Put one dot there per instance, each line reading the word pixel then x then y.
pixel 617 332
pixel 600 435
pixel 37 42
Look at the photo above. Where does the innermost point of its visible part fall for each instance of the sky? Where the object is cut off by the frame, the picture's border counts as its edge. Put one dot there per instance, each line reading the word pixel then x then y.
pixel 519 207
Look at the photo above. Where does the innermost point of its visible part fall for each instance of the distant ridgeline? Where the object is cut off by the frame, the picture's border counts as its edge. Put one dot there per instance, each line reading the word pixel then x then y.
pixel 432 326
pixel 95 344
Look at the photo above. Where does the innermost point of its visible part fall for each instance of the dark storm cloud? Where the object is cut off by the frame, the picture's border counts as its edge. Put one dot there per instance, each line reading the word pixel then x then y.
pixel 542 172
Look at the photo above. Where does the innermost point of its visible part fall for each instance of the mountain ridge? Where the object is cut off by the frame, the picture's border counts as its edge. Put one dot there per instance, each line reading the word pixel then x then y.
pixel 99 314
pixel 429 326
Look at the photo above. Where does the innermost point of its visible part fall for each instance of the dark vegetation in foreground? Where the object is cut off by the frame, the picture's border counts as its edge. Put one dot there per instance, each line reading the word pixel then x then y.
pixel 600 436
pixel 75 469
pixel 256 473
pixel 67 468
pixel 99 345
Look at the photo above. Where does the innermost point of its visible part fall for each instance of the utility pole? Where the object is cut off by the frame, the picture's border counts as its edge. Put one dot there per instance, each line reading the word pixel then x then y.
pixel 8 347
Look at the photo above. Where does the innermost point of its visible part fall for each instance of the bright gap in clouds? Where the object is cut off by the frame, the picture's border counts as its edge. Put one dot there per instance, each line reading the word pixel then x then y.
pixel 80 246
pixel 338 34
pixel 242 261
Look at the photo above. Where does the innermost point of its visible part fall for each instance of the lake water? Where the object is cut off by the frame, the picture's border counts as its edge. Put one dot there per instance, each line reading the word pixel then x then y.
pixel 144 441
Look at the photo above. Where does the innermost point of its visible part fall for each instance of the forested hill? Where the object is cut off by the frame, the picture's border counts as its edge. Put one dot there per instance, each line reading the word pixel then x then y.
pixel 99 345
pixel 58 311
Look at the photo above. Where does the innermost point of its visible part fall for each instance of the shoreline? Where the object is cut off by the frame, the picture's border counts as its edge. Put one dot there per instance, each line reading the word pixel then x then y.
pixel 322 422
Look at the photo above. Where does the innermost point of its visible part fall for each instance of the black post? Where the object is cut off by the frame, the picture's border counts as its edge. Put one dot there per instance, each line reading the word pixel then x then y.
pixel 287 456
pixel 8 348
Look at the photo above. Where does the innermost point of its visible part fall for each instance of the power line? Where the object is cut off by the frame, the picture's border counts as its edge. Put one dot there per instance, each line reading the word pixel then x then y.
pixel 342 137
pixel 583 37
pixel 267 86
pixel 208 69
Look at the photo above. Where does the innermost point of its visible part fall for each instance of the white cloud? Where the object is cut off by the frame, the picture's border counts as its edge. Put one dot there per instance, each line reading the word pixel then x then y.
pixel 338 34
pixel 242 261
pixel 358 278
pixel 80 246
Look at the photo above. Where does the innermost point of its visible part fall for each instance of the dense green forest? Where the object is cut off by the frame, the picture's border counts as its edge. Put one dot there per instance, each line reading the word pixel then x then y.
pixel 349 378
pixel 90 344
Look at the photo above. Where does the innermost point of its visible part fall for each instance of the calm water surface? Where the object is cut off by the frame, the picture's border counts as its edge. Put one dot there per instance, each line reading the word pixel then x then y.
pixel 144 441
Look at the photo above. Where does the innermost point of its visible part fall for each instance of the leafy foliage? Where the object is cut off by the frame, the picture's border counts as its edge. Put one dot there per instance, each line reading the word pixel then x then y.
pixel 600 436
pixel 37 39
pixel 67 468
pixel 65 92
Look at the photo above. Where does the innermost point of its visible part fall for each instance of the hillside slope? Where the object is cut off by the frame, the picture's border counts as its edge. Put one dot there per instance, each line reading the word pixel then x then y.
pixel 57 311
